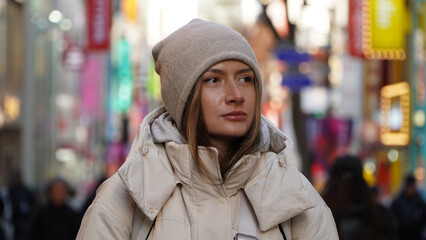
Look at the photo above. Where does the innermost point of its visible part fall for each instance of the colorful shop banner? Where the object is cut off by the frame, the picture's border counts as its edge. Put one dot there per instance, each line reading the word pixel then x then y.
pixel 328 138
pixel 384 29
pixel 99 17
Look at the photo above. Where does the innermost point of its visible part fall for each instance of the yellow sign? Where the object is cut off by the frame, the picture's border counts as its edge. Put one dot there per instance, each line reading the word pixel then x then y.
pixel 384 29
pixel 130 9
pixel 395 114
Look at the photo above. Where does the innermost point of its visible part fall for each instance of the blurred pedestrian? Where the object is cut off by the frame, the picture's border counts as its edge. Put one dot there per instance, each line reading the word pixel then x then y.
pixel 91 196
pixel 24 204
pixel 354 208
pixel 5 214
pixel 2 231
pixel 410 211
pixel 56 220
pixel 207 165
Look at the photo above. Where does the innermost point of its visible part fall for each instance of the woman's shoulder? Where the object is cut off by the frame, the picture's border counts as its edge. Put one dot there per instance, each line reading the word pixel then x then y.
pixel 316 222
pixel 113 192
pixel 110 215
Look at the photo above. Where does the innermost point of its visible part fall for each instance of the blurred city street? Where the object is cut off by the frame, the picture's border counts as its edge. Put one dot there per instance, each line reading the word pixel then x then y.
pixel 340 77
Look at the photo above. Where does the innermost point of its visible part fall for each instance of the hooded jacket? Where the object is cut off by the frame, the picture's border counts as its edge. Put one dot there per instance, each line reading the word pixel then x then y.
pixel 159 183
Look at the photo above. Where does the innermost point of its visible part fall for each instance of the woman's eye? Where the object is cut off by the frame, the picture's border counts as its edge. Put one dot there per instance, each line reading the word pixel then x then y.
pixel 245 79
pixel 210 80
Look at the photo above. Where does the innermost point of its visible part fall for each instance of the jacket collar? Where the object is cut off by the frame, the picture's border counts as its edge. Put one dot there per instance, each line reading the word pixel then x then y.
pixel 187 174
pixel 270 179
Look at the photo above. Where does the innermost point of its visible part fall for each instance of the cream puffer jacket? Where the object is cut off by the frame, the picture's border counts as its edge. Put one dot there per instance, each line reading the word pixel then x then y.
pixel 158 183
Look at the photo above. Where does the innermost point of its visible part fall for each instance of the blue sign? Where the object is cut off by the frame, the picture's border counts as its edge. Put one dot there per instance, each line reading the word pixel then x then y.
pixel 296 81
pixel 291 56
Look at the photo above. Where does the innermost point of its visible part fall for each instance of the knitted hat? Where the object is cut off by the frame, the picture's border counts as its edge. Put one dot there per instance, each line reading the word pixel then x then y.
pixel 182 57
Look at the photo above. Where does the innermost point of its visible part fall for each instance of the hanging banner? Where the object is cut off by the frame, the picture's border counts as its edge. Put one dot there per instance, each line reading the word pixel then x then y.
pixel 384 29
pixel 99 16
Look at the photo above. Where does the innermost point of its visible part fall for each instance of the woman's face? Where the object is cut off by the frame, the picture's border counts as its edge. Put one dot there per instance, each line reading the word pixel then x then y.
pixel 228 101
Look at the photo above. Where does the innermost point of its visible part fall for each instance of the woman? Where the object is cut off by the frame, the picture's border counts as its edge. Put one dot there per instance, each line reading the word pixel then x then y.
pixel 206 165
pixel 56 219
pixel 357 213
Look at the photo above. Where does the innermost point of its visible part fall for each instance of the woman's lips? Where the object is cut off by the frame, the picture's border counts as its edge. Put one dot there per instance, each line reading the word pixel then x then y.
pixel 235 116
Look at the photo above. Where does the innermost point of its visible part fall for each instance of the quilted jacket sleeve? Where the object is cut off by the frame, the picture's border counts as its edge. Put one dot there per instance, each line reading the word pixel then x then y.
pixel 315 223
pixel 111 214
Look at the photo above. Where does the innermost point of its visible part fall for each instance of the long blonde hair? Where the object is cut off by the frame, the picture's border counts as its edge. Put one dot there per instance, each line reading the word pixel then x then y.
pixel 195 132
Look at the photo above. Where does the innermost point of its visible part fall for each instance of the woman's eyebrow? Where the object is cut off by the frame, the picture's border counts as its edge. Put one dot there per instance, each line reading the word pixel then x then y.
pixel 244 70
pixel 215 70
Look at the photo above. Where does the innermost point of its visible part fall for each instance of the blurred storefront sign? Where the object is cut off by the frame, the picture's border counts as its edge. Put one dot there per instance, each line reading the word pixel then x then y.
pixel 296 81
pixel 293 78
pixel 384 29
pixel 123 77
pixel 417 145
pixel 346 76
pixel 99 24
pixel 395 117
pixel 92 84
pixel 328 138
pixel 355 28
pixel 419 76
pixel 291 56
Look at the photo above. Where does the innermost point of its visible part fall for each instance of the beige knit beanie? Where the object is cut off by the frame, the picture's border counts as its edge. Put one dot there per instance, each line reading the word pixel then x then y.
pixel 182 57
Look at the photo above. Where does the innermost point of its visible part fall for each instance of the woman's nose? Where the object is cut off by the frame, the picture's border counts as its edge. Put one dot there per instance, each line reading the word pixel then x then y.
pixel 234 94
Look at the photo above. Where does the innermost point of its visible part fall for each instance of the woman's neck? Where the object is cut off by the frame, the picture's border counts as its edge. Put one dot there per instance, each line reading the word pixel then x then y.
pixel 221 145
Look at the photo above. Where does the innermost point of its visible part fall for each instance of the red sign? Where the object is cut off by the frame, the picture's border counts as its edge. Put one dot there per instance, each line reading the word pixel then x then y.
pixel 99 23
pixel 355 28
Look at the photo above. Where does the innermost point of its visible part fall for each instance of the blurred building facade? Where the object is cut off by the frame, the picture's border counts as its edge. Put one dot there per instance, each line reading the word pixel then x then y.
pixel 77 78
